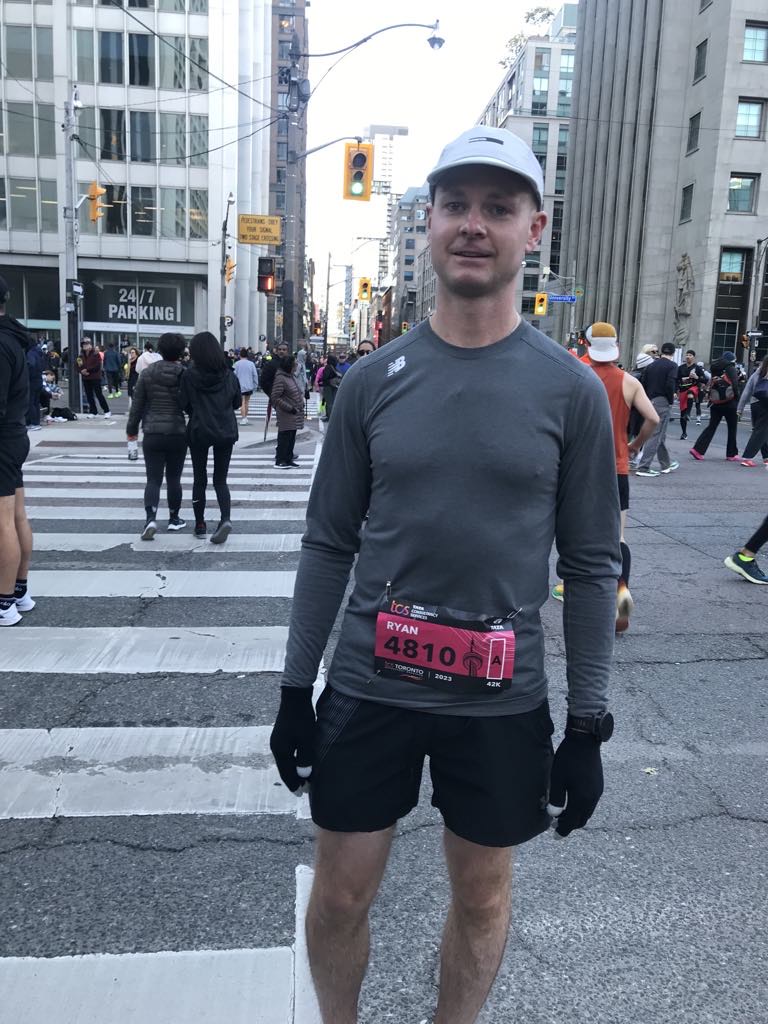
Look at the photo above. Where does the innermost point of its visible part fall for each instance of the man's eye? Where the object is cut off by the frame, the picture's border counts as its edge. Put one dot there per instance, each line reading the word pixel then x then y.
pixel 499 211
pixel 453 206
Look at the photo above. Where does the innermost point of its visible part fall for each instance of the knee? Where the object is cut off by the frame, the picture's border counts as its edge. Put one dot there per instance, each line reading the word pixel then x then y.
pixel 482 899
pixel 341 902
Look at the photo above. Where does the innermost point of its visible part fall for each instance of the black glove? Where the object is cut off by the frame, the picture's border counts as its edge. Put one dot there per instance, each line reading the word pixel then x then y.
pixel 576 782
pixel 292 739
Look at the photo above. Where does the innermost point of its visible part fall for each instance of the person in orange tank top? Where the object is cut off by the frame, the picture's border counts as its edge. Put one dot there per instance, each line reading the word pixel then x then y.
pixel 625 393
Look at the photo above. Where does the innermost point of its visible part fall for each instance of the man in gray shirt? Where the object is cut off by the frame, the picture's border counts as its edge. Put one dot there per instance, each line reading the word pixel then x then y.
pixel 473 419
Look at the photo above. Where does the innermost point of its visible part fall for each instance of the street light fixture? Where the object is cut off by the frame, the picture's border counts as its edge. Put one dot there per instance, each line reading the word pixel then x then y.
pixel 223 304
pixel 434 40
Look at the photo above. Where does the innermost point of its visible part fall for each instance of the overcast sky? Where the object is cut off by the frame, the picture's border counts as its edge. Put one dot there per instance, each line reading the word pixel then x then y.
pixel 394 79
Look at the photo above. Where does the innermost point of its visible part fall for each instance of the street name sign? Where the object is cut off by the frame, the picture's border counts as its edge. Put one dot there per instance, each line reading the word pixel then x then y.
pixel 562 298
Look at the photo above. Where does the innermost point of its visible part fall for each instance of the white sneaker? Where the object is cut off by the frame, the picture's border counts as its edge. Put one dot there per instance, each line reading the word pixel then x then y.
pixel 106 415
pixel 10 616
pixel 25 604
pixel 244 421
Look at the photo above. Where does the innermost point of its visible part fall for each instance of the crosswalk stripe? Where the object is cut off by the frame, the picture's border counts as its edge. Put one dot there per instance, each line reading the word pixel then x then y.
pixel 85 474
pixel 115 772
pixel 232 986
pixel 167 542
pixel 130 513
pixel 170 583
pixel 134 650
pixel 280 478
pixel 137 494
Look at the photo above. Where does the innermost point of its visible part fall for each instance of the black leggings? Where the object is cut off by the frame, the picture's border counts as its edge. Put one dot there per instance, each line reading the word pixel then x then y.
pixel 222 453
pixel 93 394
pixel 757 540
pixel 164 455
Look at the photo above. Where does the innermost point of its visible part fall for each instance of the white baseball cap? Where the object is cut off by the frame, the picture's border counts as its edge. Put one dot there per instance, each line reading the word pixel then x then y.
pixel 603 342
pixel 493 147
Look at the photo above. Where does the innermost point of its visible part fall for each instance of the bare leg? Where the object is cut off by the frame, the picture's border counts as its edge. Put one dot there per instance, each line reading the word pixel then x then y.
pixel 246 404
pixel 476 928
pixel 24 533
pixel 348 870
pixel 10 549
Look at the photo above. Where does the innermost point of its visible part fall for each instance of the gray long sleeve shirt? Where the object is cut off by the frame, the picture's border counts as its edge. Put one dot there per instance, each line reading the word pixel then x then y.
pixel 470 463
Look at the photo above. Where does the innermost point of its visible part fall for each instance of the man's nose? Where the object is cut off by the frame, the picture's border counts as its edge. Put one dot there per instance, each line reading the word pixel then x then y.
pixel 474 222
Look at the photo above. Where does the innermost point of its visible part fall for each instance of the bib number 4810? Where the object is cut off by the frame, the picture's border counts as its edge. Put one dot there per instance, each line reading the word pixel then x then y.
pixel 412 649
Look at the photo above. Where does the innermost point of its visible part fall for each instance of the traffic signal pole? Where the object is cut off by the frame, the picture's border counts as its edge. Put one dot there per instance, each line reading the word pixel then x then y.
pixel 223 302
pixel 70 249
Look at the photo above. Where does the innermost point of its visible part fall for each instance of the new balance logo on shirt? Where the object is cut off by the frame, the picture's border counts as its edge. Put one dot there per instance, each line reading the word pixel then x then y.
pixel 396 366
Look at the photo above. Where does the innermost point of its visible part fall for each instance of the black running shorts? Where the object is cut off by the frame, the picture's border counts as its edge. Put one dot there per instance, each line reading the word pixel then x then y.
pixel 13 452
pixel 490 776
pixel 623 491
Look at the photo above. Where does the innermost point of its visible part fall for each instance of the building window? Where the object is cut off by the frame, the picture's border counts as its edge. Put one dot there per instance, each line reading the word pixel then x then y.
pixel 756 42
pixel 282 151
pixel 409 261
pixel 557 235
pixel 173 139
pixel 198 70
pixel 749 119
pixel 198 213
pixel 177 6
pixel 173 213
pixel 694 127
pixel 732 266
pixel 528 303
pixel 541 60
pixel 540 142
pixel 143 136
pixel 87 226
pixel 279 200
pixel 725 338
pixel 84 47
pixel 18 51
pixel 112 134
pixel 141 59
pixel 44 49
pixel 686 204
pixel 198 140
pixel 286 23
pixel 198 6
pixel 280 175
pixel 562 138
pixel 145 4
pixel 46 129
pixel 408 275
pixel 23 198
pixel 562 167
pixel 531 282
pixel 421 229
pixel 143 210
pixel 21 129
pixel 3 205
pixel 742 193
pixel 172 65
pixel 567 62
pixel 282 101
pixel 111 58
pixel 115 221
pixel 282 125
pixel 700 64
pixel 410 243
pixel 564 94
pixel 86 133
pixel 49 206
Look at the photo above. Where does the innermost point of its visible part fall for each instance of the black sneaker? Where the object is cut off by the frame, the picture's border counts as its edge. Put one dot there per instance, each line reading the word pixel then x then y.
pixel 221 532
pixel 751 571
pixel 200 529
pixel 176 523
pixel 149 531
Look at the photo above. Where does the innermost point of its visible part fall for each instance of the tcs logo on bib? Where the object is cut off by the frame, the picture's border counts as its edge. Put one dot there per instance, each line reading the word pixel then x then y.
pixel 399 609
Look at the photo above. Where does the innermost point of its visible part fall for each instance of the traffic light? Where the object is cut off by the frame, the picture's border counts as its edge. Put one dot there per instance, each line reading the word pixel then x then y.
pixel 266 274
pixel 95 192
pixel 540 304
pixel 358 170
pixel 317 327
pixel 364 290
pixel 229 269
pixel 404 327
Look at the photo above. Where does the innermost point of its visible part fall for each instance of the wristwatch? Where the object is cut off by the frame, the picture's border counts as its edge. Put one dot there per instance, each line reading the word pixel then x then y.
pixel 600 726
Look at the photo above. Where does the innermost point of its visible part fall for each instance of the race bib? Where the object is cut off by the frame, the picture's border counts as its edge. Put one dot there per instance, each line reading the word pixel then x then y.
pixel 459 652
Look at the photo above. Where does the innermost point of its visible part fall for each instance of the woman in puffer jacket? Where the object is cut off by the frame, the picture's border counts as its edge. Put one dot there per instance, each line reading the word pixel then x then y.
pixel 287 399
pixel 157 407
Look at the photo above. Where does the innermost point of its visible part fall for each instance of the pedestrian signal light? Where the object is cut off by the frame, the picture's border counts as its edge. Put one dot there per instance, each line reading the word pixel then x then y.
pixel 358 170
pixel 540 304
pixel 404 327
pixel 229 269
pixel 266 274
pixel 95 192
pixel 364 290
pixel 317 327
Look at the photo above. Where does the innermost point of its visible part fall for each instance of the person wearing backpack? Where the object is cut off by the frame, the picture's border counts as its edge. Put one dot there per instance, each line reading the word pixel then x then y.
pixel 756 393
pixel 723 405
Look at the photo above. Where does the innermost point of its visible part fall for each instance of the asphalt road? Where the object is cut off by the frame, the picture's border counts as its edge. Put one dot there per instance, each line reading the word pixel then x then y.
pixel 654 913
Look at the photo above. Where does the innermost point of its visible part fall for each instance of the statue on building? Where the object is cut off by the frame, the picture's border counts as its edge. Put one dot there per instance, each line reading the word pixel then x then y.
pixel 683 301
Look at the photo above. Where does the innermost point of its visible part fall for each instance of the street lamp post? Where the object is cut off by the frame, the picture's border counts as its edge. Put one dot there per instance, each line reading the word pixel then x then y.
pixel 761 249
pixel 223 305
pixel 567 282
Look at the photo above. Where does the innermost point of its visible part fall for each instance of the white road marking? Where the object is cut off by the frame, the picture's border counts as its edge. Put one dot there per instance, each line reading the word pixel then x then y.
pixel 223 986
pixel 171 583
pixel 116 772
pixel 306 1010
pixel 131 650
pixel 137 494
pixel 248 480
pixel 130 513
pixel 170 542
